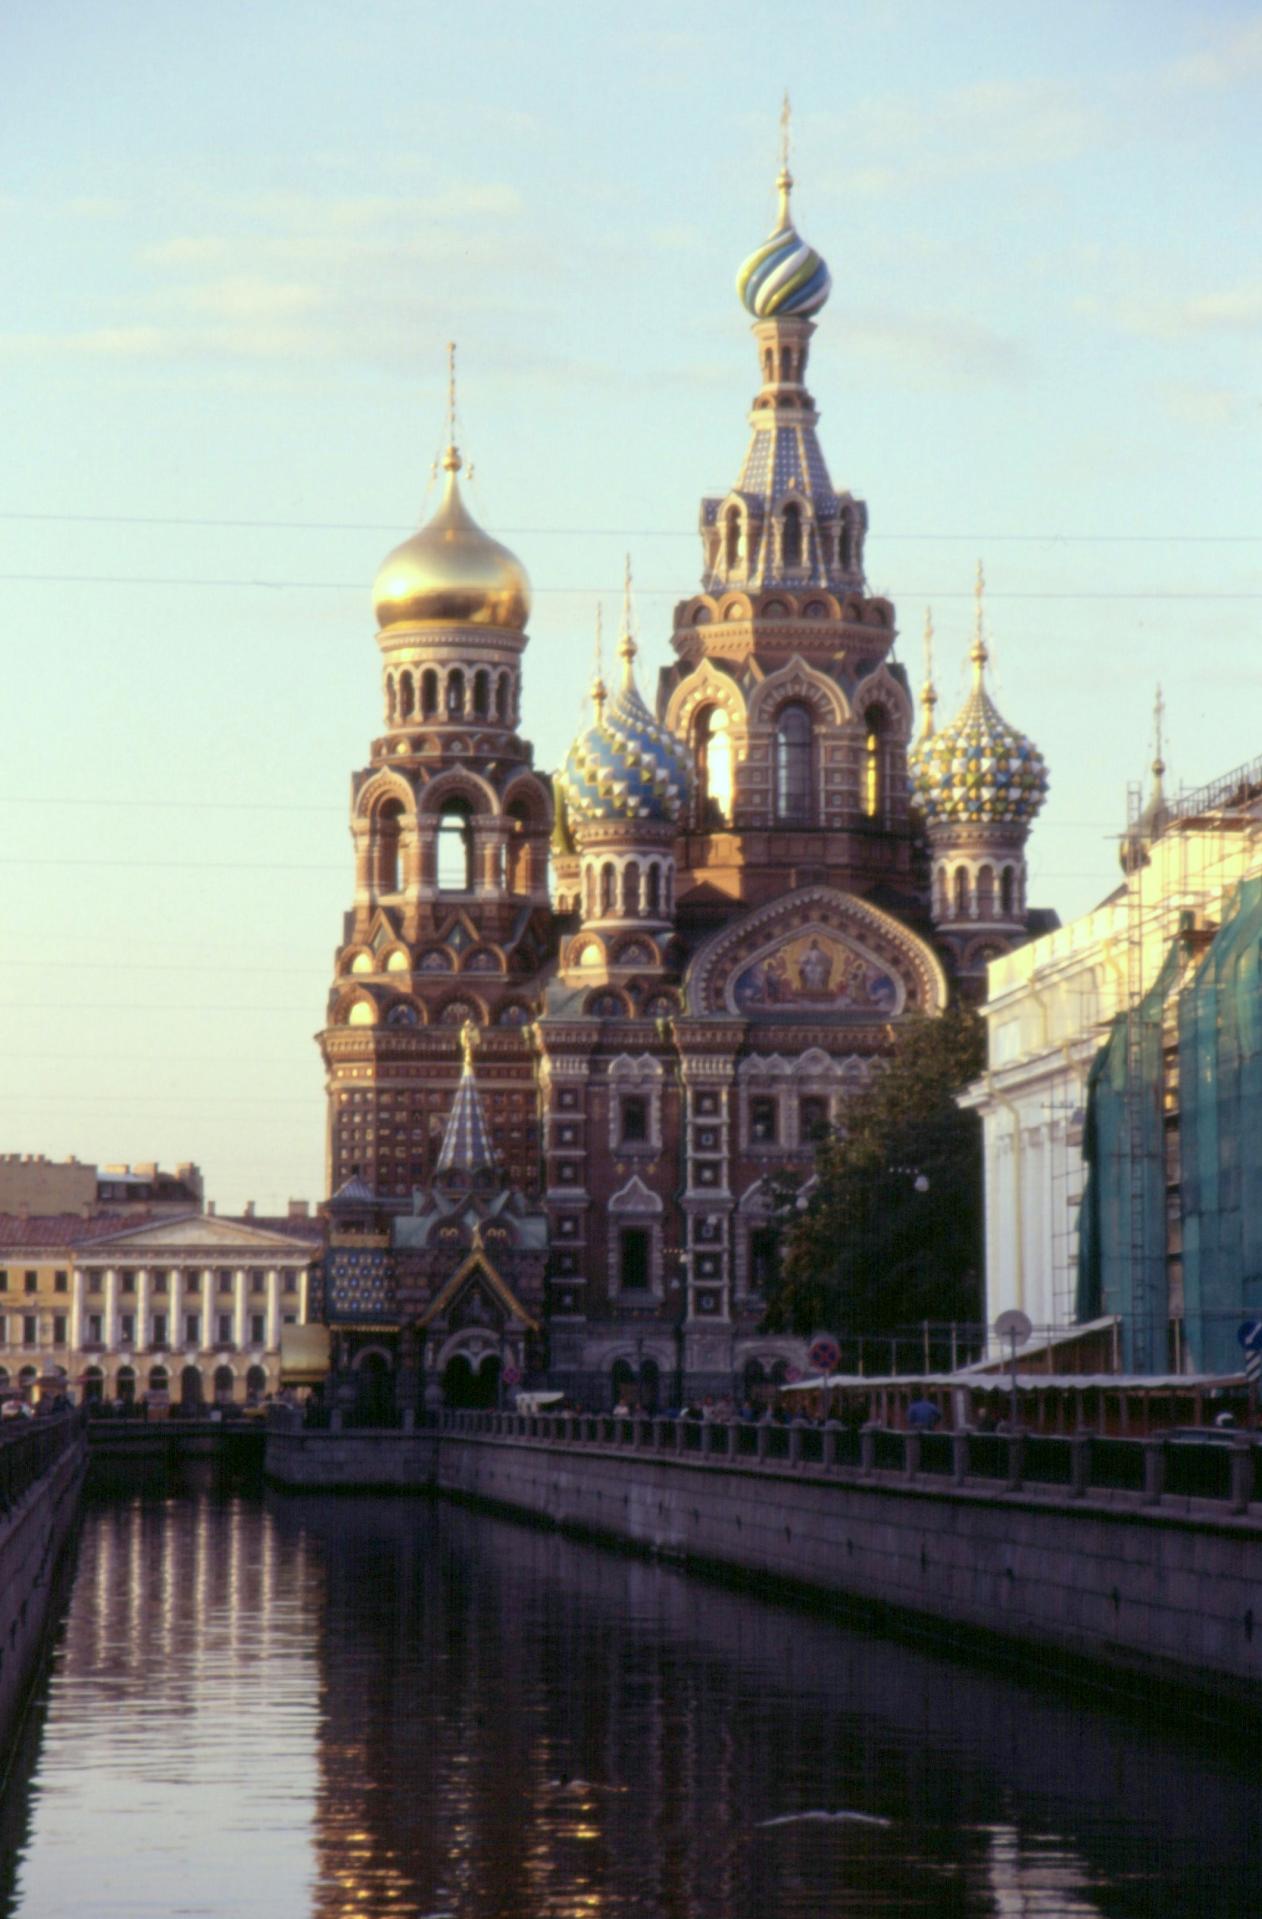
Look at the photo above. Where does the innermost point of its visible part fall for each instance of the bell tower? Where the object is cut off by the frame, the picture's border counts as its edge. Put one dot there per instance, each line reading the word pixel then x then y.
pixel 450 825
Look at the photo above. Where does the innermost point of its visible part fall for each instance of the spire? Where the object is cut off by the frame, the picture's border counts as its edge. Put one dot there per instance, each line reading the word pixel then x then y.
pixel 627 648
pixel 784 179
pixel 1158 727
pixel 451 458
pixel 978 653
pixel 928 692
pixel 599 689
pixel 466 1144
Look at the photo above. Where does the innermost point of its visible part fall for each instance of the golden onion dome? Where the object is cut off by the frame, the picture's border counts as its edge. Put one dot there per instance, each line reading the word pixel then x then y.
pixel 453 572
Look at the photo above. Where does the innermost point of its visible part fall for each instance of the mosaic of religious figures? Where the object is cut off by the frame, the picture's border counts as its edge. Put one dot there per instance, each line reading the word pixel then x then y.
pixel 815 974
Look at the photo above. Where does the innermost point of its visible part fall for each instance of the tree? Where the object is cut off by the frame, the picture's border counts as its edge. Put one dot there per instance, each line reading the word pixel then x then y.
pixel 892 1231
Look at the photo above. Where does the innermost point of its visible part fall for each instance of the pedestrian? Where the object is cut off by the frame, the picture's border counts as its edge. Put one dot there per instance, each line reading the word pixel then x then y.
pixel 922 1414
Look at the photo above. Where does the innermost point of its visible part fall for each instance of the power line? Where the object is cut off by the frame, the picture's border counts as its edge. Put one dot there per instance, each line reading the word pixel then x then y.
pixel 1043 538
pixel 934 594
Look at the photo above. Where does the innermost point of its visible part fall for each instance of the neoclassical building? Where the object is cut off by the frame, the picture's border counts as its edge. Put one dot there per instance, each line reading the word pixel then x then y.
pixel 679 955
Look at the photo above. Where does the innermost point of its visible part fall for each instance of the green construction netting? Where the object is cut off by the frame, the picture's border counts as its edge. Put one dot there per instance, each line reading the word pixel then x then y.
pixel 1220 1093
pixel 1122 1223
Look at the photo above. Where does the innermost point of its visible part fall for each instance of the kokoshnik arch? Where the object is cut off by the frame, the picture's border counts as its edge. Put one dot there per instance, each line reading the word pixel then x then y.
pixel 672 961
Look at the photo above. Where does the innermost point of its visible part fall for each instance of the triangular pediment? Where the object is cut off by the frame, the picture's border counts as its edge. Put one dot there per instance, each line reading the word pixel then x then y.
pixel 477 1271
pixel 194 1235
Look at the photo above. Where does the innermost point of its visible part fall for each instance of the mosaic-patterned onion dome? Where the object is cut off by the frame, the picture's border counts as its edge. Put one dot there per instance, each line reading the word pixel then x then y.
pixel 784 278
pixel 624 766
pixel 978 771
pixel 452 572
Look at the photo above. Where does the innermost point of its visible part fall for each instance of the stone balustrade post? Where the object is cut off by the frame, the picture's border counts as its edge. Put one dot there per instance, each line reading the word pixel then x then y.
pixel 867 1449
pixel 643 1432
pixel 911 1454
pixel 663 1435
pixel 831 1444
pixel 1079 1465
pixel 959 1458
pixel 764 1439
pixel 1016 1463
pixel 795 1445
pixel 1154 1471
pixel 1241 1475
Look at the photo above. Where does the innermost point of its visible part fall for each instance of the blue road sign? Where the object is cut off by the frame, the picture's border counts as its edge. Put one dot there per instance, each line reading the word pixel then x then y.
pixel 1250 1335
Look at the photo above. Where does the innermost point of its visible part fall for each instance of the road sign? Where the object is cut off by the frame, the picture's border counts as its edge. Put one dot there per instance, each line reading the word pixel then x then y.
pixel 1249 1333
pixel 1014 1325
pixel 823 1353
pixel 1253 1367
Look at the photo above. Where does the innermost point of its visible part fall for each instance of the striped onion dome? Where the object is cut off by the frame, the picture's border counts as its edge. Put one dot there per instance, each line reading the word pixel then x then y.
pixel 624 765
pixel 978 771
pixel 784 278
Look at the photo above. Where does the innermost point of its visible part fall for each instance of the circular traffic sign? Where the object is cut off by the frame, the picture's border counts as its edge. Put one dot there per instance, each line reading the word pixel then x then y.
pixel 1014 1324
pixel 823 1353
pixel 1250 1335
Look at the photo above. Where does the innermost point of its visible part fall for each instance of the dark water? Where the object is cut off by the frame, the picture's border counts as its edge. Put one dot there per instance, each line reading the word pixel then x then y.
pixel 391 1709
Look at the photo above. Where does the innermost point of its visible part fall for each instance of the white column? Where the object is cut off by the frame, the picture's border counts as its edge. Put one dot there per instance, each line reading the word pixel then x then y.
pixel 109 1324
pixel 304 1290
pixel 239 1310
pixel 74 1330
pixel 272 1328
pixel 208 1308
pixel 142 1312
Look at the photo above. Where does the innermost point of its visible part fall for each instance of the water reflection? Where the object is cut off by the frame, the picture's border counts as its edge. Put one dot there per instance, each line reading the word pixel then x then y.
pixel 389 1708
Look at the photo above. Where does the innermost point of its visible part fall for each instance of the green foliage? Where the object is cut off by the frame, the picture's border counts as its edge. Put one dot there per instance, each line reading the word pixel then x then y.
pixel 877 1249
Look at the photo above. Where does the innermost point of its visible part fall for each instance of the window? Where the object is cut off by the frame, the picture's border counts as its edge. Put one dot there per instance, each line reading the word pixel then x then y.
pixel 734 531
pixel 791 536
pixel 95 1329
pixel 94 1282
pixel 607 885
pixel 159 1329
pixel 633 1259
pixel 1005 892
pixel 30 1330
pixel 455 848
pixel 635 1120
pixel 257 1328
pixel 192 1329
pixel 59 1329
pixel 61 1282
pixel 31 1282
pixel 4 1280
pixel 793 764
pixel 764 1258
pixel 429 693
pixel 386 846
pixel 713 756
pixel 127 1328
pixel 128 1281
pixel 256 1279
pixel 813 1122
pixel 762 1120
pixel 159 1283
pixel 873 784
pixel 225 1329
pixel 223 1280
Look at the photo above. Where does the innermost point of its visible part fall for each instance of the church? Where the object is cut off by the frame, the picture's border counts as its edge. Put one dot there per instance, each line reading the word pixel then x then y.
pixel 584 1028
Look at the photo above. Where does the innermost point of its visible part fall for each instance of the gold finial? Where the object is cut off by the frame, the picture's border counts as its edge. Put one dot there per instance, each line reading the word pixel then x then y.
pixel 928 692
pixel 978 653
pixel 451 458
pixel 1158 723
pixel 468 1040
pixel 784 179
pixel 627 648
pixel 598 678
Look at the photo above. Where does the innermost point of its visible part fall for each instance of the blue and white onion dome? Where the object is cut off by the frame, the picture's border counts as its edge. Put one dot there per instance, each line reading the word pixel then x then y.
pixel 624 766
pixel 784 278
pixel 978 771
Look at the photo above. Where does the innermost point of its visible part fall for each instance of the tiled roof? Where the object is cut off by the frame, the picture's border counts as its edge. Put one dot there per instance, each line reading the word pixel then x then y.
pixel 48 1231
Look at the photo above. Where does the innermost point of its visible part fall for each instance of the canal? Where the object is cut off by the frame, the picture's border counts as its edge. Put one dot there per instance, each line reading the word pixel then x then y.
pixel 285 1706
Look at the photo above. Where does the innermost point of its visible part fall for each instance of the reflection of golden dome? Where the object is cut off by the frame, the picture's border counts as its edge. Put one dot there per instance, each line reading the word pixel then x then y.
pixel 452 571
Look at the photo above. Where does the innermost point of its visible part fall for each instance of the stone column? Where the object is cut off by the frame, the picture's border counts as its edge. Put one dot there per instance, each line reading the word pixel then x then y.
pixel 239 1309
pixel 272 1327
pixel 74 1330
pixel 142 1315
pixel 208 1309
pixel 109 1323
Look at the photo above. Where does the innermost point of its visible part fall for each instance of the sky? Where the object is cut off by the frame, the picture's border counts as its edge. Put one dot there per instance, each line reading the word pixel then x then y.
pixel 233 244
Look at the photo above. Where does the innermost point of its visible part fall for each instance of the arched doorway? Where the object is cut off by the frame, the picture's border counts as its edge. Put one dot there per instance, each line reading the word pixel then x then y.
pixel 650 1386
pixel 125 1385
pixel 93 1384
pixel 374 1389
pixel 255 1385
pixel 469 1387
pixel 159 1379
pixel 225 1385
pixel 191 1388
pixel 622 1380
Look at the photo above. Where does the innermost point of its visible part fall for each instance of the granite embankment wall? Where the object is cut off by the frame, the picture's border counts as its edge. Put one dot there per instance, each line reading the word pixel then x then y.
pixel 42 1467
pixel 1138 1556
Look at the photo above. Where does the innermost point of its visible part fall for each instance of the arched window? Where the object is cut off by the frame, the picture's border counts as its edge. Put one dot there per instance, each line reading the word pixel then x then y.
pixel 793 764
pixel 985 893
pixel 519 862
pixel 501 697
pixel 429 693
pixel 455 693
pixel 768 365
pixel 942 892
pixel 713 754
pixel 392 699
pixel 608 903
pixel 873 758
pixel 631 889
pixel 386 840
pixel 225 1383
pixel 482 692
pixel 1006 891
pixel 589 892
pixel 847 544
pixel 961 892
pixel 791 536
pixel 734 533
pixel 653 877
pixel 455 848
pixel 407 697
